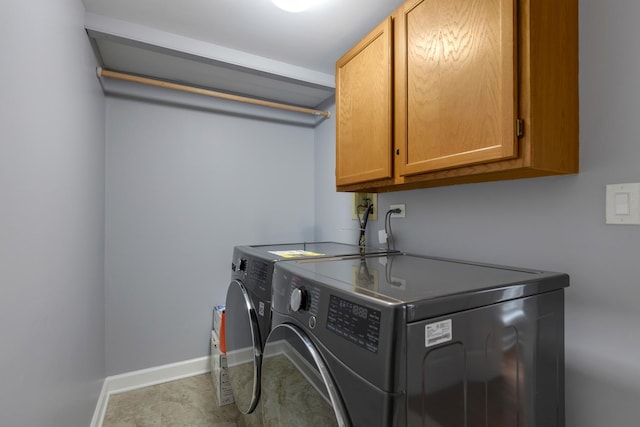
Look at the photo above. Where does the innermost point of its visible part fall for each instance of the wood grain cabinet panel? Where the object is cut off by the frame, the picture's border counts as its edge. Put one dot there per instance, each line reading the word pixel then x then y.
pixel 482 90
pixel 455 83
pixel 364 109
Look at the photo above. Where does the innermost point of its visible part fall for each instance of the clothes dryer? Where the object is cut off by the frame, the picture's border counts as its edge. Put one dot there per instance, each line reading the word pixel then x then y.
pixel 409 340
pixel 248 306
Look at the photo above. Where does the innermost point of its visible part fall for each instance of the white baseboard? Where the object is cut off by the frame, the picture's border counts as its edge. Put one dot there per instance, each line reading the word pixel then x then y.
pixel 145 378
pixel 101 407
pixel 158 375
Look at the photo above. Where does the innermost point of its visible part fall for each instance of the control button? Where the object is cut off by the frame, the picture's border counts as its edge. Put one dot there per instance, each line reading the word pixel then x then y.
pixel 312 322
pixel 233 266
pixel 298 299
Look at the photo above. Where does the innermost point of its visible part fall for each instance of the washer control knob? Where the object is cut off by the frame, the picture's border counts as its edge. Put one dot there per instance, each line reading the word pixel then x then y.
pixel 299 299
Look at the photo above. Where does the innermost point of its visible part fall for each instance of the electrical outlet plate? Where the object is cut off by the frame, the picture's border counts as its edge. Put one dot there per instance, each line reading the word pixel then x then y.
pixel 398 283
pixel 403 210
pixel 359 199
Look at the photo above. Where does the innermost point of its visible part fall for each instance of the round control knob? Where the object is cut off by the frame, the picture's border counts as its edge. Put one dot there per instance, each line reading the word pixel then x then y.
pixel 298 300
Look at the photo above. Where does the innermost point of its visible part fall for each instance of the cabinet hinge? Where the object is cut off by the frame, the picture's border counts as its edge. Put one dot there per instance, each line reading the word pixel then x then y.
pixel 519 128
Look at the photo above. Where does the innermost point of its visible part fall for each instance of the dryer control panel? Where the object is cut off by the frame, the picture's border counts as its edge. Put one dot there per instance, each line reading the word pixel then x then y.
pixel 342 316
pixel 354 322
pixel 364 335
pixel 254 272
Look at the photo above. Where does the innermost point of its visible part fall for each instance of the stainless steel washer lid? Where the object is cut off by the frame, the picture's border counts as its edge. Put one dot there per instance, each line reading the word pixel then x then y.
pixel 427 286
pixel 307 250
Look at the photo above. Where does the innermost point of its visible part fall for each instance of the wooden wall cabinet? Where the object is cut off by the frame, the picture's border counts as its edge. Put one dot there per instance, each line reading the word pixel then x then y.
pixel 364 126
pixel 456 91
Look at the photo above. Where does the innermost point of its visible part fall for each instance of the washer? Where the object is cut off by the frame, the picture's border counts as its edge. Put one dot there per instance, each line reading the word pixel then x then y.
pixel 408 340
pixel 248 306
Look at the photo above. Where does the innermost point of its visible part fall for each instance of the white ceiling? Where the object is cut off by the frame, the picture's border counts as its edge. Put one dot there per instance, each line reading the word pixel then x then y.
pixel 313 39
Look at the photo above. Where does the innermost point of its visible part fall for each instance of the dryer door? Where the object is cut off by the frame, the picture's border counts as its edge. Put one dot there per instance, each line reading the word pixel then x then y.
pixel 297 388
pixel 244 353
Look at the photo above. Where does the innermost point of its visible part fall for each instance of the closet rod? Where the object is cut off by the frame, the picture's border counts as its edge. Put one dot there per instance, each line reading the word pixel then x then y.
pixel 199 91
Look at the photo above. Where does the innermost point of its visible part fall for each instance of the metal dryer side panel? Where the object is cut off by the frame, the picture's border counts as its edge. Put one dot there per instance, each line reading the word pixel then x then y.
pixel 498 365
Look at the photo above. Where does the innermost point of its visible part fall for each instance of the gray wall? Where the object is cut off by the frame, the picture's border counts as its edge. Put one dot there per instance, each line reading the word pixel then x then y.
pixel 179 197
pixel 333 210
pixel 51 217
pixel 184 185
pixel 554 223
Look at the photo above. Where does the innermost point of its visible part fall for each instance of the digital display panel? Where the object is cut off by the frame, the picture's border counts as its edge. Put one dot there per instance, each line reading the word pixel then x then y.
pixel 354 322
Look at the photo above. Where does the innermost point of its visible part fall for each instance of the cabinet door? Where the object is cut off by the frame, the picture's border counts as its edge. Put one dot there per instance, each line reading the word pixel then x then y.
pixel 455 83
pixel 364 135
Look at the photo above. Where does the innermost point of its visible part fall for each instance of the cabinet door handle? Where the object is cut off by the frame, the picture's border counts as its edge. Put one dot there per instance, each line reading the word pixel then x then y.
pixel 519 128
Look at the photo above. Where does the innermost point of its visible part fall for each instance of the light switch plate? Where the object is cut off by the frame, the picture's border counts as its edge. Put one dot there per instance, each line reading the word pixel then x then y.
pixel 623 204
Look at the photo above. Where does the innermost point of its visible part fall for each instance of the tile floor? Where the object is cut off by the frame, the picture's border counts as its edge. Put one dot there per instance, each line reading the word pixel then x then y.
pixel 183 403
